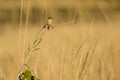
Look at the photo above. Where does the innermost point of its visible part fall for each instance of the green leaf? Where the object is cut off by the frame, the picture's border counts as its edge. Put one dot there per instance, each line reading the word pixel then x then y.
pixel 27 75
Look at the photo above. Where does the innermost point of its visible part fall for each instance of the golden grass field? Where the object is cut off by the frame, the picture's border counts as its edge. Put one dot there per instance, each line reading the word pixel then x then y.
pixel 67 52
pixel 84 44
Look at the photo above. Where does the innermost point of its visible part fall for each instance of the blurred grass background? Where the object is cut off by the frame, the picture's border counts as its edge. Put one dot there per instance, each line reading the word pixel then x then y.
pixel 73 20
pixel 61 11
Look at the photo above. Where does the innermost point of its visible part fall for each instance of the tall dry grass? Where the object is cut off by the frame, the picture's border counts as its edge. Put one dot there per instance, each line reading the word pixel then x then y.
pixel 97 59
pixel 68 52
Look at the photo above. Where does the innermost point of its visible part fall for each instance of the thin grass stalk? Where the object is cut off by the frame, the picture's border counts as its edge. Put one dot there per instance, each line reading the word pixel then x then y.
pixel 53 72
pixel 30 51
pixel 90 59
pixel 26 25
pixel 75 13
pixel 85 62
pixel 26 28
pixel 102 72
pixel 85 65
pixel 33 48
pixel 62 61
pixel 20 28
pixel 80 47
pixel 89 32
pixel 78 69
pixel 72 63
pixel 103 12
pixel 37 39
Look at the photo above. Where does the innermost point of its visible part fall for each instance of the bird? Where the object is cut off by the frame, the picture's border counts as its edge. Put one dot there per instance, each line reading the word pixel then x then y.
pixel 48 24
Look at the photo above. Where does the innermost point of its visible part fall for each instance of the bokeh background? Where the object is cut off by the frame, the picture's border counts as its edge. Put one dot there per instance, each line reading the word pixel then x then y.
pixel 61 11
pixel 73 21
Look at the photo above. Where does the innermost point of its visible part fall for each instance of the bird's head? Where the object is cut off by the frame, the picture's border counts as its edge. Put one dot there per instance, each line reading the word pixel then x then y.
pixel 49 21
